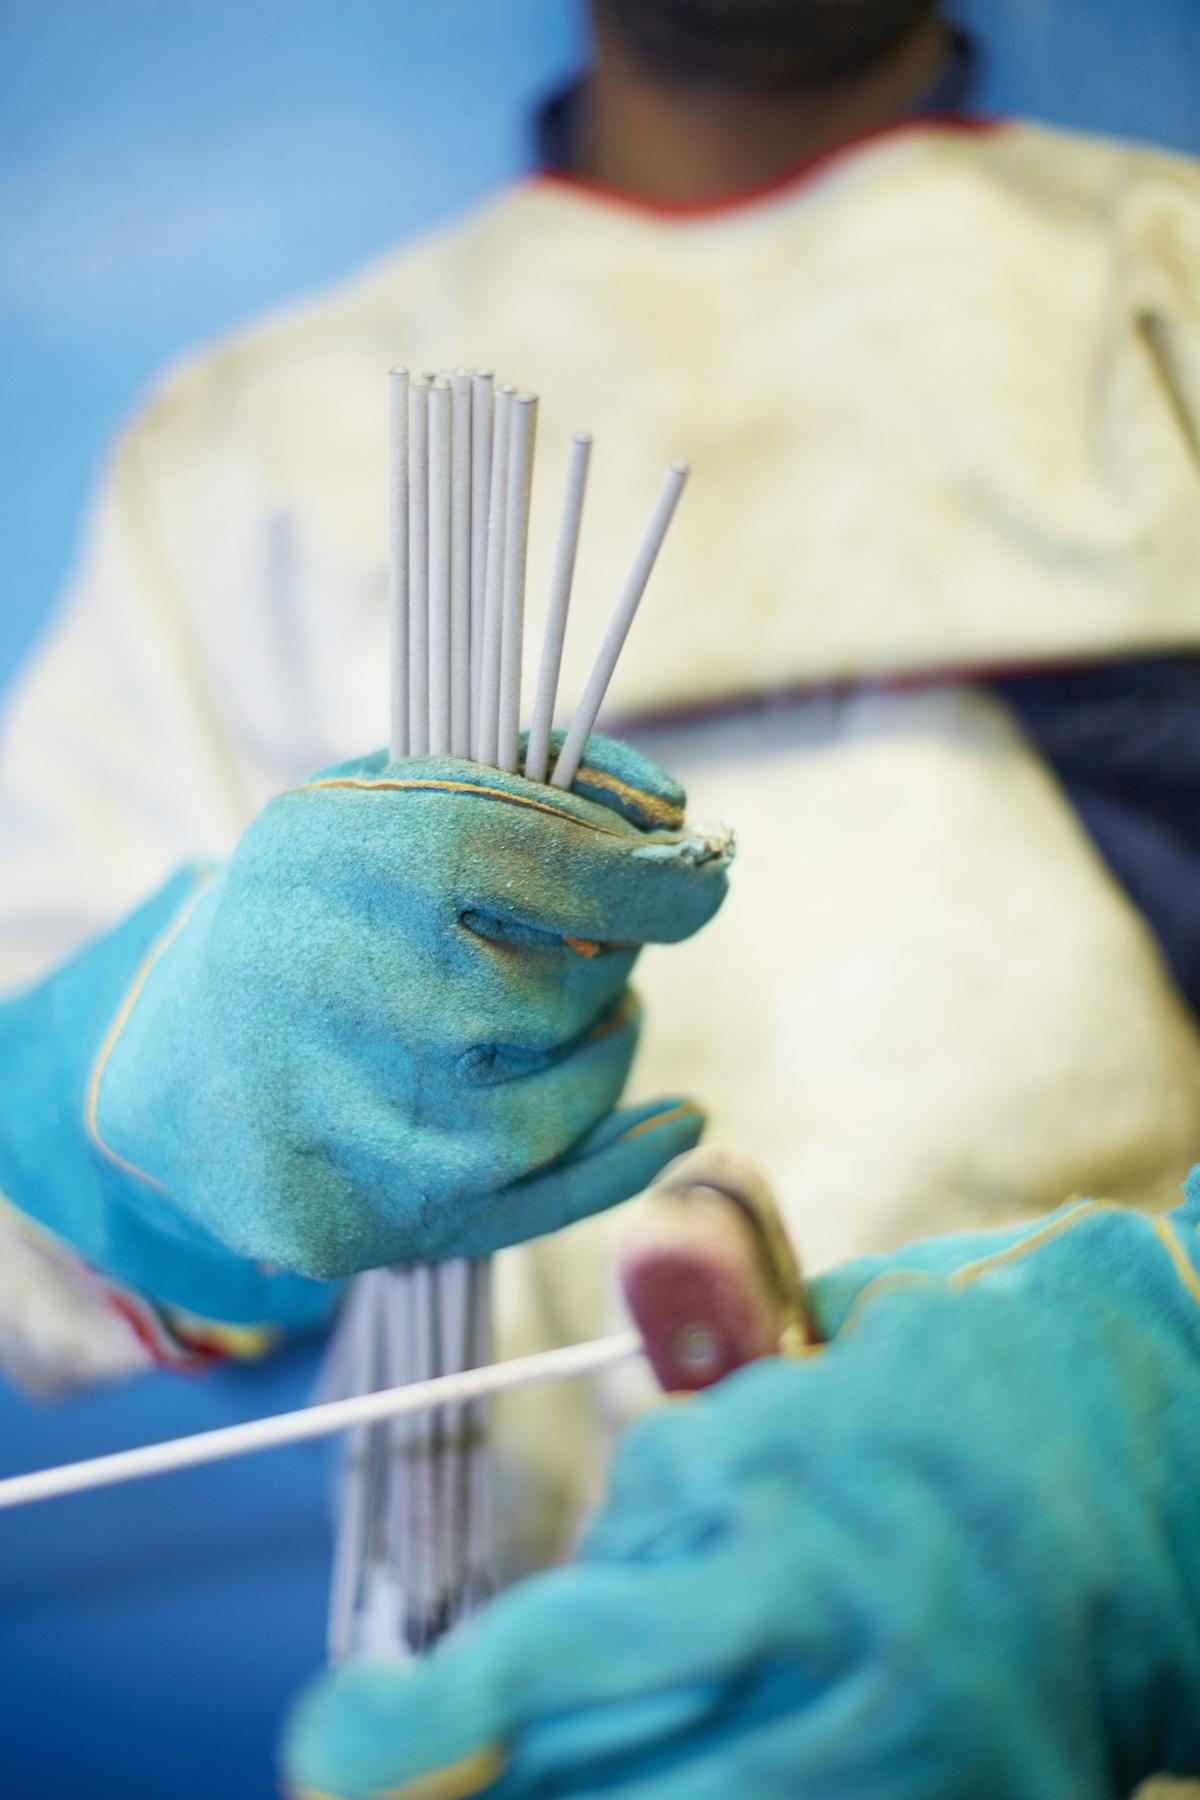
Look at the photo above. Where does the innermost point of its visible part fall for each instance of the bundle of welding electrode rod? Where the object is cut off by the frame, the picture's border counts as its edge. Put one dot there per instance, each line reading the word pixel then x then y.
pixel 413 1552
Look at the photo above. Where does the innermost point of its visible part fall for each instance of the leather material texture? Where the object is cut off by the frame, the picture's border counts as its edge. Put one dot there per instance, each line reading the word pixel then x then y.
pixel 393 1028
pixel 957 1551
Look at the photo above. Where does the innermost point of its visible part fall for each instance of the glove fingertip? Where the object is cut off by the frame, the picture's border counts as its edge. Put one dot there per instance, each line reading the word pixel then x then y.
pixel 362 1729
pixel 626 781
pixel 674 1112
pixel 637 1143
pixel 620 1157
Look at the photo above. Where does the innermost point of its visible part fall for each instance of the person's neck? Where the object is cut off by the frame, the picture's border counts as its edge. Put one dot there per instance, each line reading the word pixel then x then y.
pixel 692 142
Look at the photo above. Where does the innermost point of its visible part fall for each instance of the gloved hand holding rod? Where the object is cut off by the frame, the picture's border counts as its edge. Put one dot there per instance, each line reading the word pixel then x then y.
pixel 412 1551
pixel 391 1030
pixel 956 1552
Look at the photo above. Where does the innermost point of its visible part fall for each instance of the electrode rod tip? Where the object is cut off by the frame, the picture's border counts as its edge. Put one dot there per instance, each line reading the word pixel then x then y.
pixel 571 754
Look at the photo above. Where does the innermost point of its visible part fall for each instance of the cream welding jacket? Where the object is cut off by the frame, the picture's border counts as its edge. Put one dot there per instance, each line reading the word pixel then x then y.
pixel 940 395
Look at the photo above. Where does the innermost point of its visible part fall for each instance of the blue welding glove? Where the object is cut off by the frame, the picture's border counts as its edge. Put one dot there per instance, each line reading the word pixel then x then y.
pixel 956 1553
pixel 393 1028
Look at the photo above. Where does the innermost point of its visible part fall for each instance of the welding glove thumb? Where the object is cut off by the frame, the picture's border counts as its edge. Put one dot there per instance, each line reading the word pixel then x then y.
pixel 393 1028
pixel 956 1552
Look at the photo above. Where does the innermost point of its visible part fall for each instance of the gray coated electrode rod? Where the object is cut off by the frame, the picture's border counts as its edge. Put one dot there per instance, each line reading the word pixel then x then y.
pixel 477 1473
pixel 537 755
pixel 454 1497
pixel 571 755
pixel 420 1582
pixel 439 568
pixel 493 608
pixel 454 1352
pixel 317 1421
pixel 460 564
pixel 418 567
pixel 516 550
pixel 398 560
pixel 350 1538
pixel 365 1454
pixel 482 406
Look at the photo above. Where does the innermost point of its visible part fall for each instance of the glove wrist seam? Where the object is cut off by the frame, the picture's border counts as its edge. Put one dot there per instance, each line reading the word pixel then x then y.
pixel 1184 1268
pixel 892 1280
pixel 117 1025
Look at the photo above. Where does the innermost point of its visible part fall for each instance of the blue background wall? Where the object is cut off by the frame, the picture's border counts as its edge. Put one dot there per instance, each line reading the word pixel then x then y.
pixel 169 166
pixel 166 168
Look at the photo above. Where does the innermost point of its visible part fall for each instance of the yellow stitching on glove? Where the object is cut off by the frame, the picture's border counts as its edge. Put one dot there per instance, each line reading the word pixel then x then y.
pixel 676 1112
pixel 118 1025
pixel 455 1781
pixel 661 812
pixel 461 787
pixel 900 1280
pixel 1169 1238
pixel 892 1281
pixel 972 1272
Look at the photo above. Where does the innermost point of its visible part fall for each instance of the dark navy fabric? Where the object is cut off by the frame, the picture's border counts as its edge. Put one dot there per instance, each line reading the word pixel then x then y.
pixel 1124 740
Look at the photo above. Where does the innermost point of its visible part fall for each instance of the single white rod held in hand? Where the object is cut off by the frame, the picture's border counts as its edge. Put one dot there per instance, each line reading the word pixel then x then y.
pixel 537 754
pixel 318 1421
pixel 571 754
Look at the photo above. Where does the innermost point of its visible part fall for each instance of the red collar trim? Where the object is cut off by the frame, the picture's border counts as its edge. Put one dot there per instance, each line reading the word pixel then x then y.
pixel 798 176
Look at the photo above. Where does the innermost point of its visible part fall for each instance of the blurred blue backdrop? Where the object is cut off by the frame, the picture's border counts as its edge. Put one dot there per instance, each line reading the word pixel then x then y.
pixel 168 167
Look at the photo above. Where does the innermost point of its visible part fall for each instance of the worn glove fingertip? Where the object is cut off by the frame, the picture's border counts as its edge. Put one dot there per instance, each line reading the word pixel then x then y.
pixel 625 781
pixel 617 1159
pixel 375 1728
pixel 629 1149
pixel 453 1781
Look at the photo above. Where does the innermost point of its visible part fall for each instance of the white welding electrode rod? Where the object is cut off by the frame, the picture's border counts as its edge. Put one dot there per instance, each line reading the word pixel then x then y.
pixel 354 1341
pixel 398 558
pixel 416 1496
pixel 406 1359
pixel 439 568
pixel 460 564
pixel 418 567
pixel 516 550
pixel 318 1421
pixel 571 754
pixel 481 477
pixel 477 1473
pixel 537 755
pixel 452 1351
pixel 493 605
